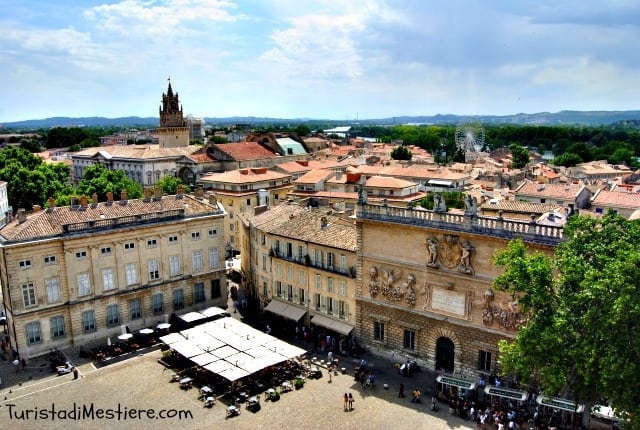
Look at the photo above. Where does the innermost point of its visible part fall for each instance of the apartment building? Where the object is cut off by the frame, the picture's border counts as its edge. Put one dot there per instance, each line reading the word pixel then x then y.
pixel 74 275
pixel 302 265
pixel 239 191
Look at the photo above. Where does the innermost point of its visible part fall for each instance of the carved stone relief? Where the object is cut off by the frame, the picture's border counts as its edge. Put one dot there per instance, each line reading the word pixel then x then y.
pixel 506 313
pixel 386 283
pixel 450 253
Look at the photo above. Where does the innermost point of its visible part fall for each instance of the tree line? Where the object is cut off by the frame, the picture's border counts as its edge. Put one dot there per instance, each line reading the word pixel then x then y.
pixel 31 181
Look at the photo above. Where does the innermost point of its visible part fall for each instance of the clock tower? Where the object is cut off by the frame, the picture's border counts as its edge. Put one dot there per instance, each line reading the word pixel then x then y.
pixel 173 131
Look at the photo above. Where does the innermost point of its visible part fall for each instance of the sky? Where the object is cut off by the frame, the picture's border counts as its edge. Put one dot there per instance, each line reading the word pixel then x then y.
pixel 320 59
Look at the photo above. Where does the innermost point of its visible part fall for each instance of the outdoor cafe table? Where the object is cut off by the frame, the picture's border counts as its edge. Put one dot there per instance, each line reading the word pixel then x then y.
pixel 186 382
pixel 286 386
pixel 269 393
pixel 206 391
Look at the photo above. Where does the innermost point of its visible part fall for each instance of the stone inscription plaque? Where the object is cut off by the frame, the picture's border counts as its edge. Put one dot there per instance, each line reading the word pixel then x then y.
pixel 448 301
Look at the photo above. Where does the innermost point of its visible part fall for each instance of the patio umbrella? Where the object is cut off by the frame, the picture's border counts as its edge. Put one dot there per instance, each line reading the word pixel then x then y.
pixel 146 331
pixel 109 341
pixel 163 326
pixel 125 336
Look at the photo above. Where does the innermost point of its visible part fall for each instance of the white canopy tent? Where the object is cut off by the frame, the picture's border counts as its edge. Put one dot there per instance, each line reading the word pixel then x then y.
pixel 230 348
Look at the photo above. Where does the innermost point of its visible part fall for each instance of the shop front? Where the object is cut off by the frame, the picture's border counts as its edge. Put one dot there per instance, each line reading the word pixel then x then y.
pixel 559 412
pixel 449 388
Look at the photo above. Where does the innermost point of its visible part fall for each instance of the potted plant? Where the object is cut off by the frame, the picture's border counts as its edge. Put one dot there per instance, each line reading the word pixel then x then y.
pixel 298 383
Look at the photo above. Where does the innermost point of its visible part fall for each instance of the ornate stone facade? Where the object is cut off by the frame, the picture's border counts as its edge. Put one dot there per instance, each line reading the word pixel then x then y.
pixel 428 293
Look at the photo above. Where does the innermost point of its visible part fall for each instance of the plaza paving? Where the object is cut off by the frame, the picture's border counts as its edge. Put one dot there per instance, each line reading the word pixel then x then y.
pixel 140 382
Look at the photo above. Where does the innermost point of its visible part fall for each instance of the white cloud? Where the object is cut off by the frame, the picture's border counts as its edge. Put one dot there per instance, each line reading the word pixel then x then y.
pixel 153 18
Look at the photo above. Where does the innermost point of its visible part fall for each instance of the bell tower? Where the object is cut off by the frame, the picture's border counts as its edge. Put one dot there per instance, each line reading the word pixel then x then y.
pixel 173 131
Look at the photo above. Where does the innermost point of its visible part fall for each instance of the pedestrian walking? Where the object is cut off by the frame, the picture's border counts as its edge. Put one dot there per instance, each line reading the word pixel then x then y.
pixel 330 371
pixel 23 361
pixel 75 373
pixel 346 402
pixel 350 401
pixel 401 392
pixel 16 364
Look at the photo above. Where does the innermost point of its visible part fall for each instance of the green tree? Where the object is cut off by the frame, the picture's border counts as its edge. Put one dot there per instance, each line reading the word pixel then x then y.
pixel 218 139
pixel 91 142
pixel 29 180
pixel 582 150
pixel 401 152
pixel 622 156
pixel 302 130
pixel 31 145
pixel 567 160
pixel 98 179
pixel 169 185
pixel 519 156
pixel 583 308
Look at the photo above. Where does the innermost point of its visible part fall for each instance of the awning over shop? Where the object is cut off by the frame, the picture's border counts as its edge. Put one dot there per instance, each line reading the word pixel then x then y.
pixel 441 182
pixel 284 310
pixel 191 317
pixel 456 382
pixel 557 403
pixel 331 324
pixel 213 311
pixel 508 393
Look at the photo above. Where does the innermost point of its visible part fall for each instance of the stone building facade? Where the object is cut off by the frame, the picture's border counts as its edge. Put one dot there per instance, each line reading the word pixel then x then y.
pixel 305 260
pixel 424 284
pixel 173 131
pixel 72 276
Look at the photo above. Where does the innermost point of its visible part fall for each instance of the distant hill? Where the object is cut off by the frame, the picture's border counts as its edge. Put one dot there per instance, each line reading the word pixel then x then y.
pixel 591 118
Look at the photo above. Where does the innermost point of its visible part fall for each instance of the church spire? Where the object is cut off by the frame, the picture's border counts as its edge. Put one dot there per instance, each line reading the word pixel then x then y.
pixel 169 91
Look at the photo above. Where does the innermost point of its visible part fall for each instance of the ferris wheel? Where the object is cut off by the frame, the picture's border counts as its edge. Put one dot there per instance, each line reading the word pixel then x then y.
pixel 470 137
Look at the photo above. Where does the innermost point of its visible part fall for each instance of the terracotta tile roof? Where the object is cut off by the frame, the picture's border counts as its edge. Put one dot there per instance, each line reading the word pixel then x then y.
pixel 48 223
pixel 295 222
pixel 520 207
pixel 617 199
pixel 332 195
pixel 240 151
pixel 293 167
pixel 398 199
pixel 244 176
pixel 327 164
pixel 388 182
pixel 202 158
pixel 314 139
pixel 314 176
pixel 138 151
pixel 555 191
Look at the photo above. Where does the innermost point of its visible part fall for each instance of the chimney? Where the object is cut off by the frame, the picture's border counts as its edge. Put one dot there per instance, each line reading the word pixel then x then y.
pixel 257 210
pixel 180 190
pixel 158 193
pixel 323 222
pixel 52 203
pixel 213 199
pixel 83 201
pixel 109 198
pixel 147 195
pixel 199 192
pixel 22 215
pixel 124 196
pixel 36 208
pixel 94 198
